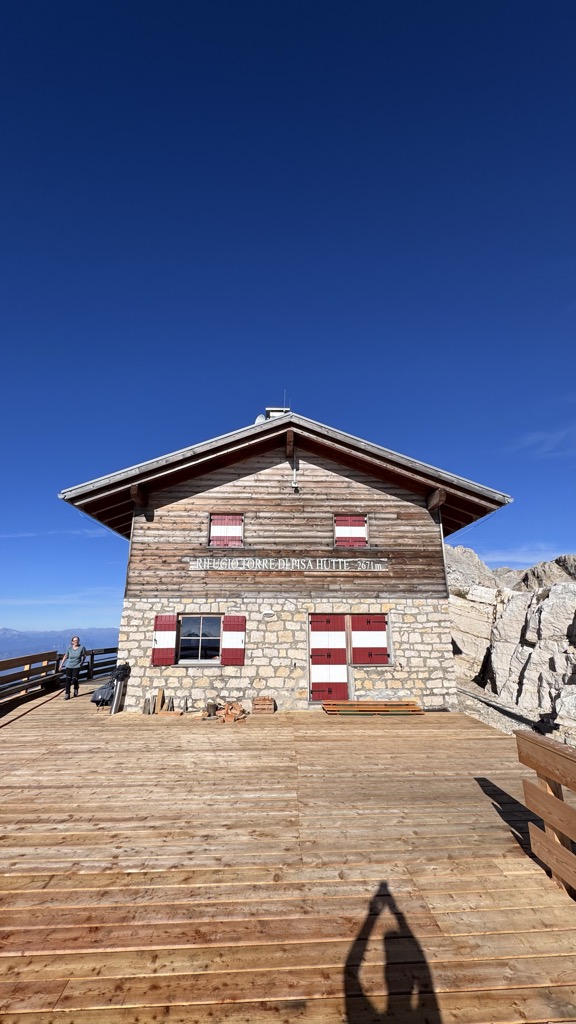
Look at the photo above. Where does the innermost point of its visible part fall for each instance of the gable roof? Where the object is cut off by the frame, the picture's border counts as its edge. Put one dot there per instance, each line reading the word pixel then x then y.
pixel 111 499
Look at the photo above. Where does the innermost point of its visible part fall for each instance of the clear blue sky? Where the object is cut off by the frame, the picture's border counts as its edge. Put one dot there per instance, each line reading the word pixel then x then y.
pixel 367 207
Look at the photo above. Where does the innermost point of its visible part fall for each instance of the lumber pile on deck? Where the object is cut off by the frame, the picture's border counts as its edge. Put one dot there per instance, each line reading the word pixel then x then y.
pixel 371 707
pixel 231 712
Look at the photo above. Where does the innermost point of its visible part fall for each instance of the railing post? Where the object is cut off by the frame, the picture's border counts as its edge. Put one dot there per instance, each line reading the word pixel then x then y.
pixel 91 665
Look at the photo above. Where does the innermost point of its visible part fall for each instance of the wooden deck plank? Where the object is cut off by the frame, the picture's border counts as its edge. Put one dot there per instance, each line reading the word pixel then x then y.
pixel 277 956
pixel 451 898
pixel 312 983
pixel 427 870
pixel 533 1006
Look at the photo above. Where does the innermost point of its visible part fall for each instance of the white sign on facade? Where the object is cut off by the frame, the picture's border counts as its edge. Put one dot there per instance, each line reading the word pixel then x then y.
pixel 230 563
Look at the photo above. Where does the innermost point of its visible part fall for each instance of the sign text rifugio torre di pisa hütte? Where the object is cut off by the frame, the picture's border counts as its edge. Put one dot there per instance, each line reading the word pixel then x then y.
pixel 289 564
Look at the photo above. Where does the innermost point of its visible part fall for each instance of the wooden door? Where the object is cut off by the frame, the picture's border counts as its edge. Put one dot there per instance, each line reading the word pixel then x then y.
pixel 328 658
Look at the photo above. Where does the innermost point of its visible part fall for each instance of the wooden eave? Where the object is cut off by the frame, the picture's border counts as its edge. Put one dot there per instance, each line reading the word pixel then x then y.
pixel 111 500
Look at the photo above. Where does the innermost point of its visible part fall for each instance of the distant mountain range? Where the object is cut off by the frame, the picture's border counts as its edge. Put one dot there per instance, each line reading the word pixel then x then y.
pixel 14 643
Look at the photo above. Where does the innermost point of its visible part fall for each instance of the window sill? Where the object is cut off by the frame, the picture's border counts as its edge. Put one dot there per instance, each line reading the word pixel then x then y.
pixel 388 665
pixel 192 663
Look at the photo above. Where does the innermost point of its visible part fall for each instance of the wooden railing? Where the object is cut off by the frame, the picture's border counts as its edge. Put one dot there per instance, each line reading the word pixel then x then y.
pixel 41 671
pixel 555 767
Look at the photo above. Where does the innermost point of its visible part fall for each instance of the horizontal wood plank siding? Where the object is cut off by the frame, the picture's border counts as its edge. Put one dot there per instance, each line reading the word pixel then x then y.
pixel 280 522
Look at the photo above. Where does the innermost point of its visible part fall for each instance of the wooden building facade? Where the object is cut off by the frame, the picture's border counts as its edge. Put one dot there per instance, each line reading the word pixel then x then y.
pixel 286 559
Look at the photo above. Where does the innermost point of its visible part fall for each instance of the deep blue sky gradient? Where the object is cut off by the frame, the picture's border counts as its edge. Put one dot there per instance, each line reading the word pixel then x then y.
pixel 208 207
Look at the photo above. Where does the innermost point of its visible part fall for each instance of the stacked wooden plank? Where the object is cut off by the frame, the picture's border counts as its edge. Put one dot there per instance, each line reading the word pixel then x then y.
pixel 263 706
pixel 371 707
pixel 158 705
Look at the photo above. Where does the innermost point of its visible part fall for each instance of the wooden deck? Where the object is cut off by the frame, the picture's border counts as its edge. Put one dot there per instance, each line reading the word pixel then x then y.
pixel 294 868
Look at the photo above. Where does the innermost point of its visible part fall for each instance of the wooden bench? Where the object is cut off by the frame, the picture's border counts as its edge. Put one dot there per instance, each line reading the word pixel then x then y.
pixel 371 707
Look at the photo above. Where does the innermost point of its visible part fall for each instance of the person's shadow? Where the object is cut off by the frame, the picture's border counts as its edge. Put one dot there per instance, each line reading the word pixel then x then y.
pixel 410 996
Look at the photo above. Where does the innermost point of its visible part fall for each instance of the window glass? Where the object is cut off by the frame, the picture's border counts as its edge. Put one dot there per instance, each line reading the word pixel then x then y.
pixel 199 637
pixel 210 637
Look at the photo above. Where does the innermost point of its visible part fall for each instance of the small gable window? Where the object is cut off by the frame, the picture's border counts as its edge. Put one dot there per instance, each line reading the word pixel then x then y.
pixel 226 531
pixel 350 531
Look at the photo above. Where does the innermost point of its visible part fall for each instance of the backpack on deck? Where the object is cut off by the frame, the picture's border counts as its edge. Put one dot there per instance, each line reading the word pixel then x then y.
pixel 105 694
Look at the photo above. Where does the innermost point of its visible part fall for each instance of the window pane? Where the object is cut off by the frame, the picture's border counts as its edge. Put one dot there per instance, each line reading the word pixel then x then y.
pixel 210 649
pixel 190 626
pixel 210 626
pixel 189 649
pixel 190 637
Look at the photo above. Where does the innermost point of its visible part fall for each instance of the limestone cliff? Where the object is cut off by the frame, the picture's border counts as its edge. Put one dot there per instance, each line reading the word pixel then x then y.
pixel 516 641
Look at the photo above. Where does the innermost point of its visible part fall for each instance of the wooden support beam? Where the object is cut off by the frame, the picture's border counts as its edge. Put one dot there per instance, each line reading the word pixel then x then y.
pixel 289 444
pixel 436 498
pixel 139 496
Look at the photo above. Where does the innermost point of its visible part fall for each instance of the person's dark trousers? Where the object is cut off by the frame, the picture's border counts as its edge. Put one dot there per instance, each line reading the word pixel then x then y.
pixel 71 680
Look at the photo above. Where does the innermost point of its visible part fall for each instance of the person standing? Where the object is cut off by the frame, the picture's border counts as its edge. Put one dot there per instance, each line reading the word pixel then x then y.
pixel 73 661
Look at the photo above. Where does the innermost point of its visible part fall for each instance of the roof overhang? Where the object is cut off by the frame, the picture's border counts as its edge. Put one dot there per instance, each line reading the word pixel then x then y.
pixel 111 500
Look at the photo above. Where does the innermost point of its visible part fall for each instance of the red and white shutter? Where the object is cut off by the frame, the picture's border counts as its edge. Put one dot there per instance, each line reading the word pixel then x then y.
pixel 328 661
pixel 233 640
pixel 369 640
pixel 164 643
pixel 226 531
pixel 350 531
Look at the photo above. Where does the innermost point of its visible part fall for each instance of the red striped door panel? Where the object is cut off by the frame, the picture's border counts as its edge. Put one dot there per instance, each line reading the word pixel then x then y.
pixel 330 691
pixel 328 623
pixel 336 656
pixel 164 641
pixel 233 640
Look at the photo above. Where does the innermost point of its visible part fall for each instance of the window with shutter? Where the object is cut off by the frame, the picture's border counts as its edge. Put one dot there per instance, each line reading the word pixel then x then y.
pixel 369 635
pixel 226 531
pixel 198 639
pixel 350 531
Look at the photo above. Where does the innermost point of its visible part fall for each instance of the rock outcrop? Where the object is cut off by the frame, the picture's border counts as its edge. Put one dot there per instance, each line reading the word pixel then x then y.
pixel 517 642
pixel 546 574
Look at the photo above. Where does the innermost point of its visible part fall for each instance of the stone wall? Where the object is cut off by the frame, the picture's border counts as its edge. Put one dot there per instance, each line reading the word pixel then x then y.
pixel 277 653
